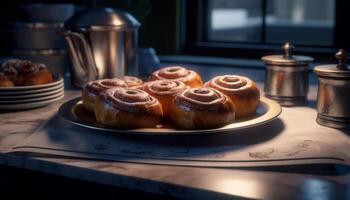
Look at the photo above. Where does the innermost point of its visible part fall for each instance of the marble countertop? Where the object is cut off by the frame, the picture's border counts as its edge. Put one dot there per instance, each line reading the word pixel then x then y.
pixel 175 181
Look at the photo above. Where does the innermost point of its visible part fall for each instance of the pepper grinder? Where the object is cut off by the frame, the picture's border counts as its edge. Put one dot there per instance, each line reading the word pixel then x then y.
pixel 333 97
pixel 286 77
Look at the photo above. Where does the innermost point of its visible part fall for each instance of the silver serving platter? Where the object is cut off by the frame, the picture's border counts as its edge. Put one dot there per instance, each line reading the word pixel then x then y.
pixel 74 112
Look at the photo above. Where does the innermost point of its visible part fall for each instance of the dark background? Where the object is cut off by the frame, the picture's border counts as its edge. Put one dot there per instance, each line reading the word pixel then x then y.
pixel 158 19
pixel 178 26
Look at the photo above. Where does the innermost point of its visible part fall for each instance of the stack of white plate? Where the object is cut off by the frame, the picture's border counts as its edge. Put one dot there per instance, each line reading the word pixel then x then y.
pixel 25 97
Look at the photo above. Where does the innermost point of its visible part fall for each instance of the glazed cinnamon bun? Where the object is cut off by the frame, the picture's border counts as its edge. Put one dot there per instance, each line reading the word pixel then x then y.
pixel 165 91
pixel 243 92
pixel 198 108
pixel 94 88
pixel 128 108
pixel 133 82
pixel 189 77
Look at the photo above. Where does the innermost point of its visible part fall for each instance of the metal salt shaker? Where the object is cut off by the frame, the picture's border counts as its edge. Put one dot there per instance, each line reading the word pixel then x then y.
pixel 286 77
pixel 333 97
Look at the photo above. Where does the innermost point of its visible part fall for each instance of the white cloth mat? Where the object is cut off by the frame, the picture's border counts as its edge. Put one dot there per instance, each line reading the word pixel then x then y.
pixel 293 138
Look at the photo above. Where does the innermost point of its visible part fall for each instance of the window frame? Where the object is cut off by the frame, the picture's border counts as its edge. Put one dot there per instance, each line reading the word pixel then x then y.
pixel 194 30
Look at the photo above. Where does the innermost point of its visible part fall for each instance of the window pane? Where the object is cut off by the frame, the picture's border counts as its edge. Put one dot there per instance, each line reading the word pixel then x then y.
pixel 235 20
pixel 305 22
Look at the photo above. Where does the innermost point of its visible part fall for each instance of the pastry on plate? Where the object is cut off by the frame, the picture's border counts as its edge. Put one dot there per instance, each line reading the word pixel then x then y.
pixel 92 89
pixel 198 108
pixel 165 91
pixel 243 92
pixel 128 108
pixel 189 77
pixel 25 73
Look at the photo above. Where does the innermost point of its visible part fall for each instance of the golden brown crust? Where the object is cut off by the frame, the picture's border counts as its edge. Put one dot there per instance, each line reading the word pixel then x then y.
pixel 92 89
pixel 128 108
pixel 165 91
pixel 243 92
pixel 133 82
pixel 88 99
pixel 189 77
pixel 198 108
pixel 41 77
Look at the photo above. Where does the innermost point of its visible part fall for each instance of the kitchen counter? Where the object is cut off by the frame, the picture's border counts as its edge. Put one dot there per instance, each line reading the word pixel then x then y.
pixel 307 182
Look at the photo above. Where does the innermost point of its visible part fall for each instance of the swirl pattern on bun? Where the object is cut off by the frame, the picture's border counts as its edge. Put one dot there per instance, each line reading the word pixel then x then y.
pixel 165 91
pixel 189 77
pixel 133 82
pixel 94 88
pixel 243 92
pixel 125 107
pixel 197 108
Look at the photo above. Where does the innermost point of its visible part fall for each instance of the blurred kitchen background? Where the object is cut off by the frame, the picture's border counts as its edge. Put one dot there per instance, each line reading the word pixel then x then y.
pixel 233 29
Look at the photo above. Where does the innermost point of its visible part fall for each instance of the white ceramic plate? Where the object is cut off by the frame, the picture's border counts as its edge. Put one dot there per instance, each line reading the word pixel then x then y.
pixel 31 87
pixel 23 92
pixel 29 100
pixel 31 95
pixel 74 112
pixel 23 106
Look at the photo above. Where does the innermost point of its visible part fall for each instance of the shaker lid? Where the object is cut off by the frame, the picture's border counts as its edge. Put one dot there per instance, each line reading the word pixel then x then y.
pixel 287 58
pixel 340 70
pixel 102 16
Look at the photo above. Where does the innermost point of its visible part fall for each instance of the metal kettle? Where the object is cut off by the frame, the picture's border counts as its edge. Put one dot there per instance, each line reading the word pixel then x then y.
pixel 102 44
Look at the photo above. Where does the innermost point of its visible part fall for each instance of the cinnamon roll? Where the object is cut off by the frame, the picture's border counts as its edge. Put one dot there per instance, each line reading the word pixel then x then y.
pixel 24 72
pixel 165 91
pixel 94 88
pixel 243 92
pixel 133 82
pixel 189 77
pixel 197 108
pixel 128 108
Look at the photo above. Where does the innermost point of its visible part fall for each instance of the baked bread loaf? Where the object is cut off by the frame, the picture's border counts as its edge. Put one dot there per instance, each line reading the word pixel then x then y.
pixel 94 88
pixel 189 77
pixel 25 73
pixel 243 92
pixel 128 108
pixel 133 82
pixel 165 91
pixel 198 108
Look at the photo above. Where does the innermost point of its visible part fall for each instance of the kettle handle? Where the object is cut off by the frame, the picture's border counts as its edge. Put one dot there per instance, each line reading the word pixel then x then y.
pixel 78 60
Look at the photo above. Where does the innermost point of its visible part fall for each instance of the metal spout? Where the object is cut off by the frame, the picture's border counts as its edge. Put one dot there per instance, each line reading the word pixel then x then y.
pixel 84 67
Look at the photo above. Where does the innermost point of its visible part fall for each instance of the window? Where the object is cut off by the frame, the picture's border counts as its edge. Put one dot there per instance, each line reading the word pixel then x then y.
pixel 253 28
pixel 305 22
pixel 235 20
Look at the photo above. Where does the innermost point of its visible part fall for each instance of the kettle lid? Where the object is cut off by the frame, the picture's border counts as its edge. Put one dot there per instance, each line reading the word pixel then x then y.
pixel 102 16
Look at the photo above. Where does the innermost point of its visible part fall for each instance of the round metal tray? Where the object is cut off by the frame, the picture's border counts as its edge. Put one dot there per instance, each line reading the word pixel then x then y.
pixel 74 112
